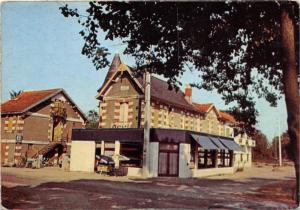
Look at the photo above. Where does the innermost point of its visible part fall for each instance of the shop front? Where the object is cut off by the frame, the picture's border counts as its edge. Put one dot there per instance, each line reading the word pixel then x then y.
pixel 173 153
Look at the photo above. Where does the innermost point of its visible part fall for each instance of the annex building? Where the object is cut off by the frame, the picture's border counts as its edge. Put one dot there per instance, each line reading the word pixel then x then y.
pixel 186 138
pixel 36 123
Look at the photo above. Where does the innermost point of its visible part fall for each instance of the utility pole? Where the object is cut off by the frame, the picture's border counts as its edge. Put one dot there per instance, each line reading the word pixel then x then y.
pixel 147 124
pixel 279 144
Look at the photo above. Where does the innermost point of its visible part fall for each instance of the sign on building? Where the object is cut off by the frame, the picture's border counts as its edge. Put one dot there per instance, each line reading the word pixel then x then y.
pixel 19 138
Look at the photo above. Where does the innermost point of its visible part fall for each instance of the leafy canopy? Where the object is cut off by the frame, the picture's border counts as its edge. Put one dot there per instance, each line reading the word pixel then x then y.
pixel 234 46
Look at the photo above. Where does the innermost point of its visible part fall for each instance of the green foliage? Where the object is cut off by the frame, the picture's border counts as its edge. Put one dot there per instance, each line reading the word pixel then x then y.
pixel 234 46
pixel 13 94
pixel 286 147
pixel 262 149
pixel 93 119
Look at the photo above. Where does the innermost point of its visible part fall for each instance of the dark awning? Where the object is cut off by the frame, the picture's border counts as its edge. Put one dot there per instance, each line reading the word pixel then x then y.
pixel 204 141
pixel 168 135
pixel 108 134
pixel 217 142
pixel 231 145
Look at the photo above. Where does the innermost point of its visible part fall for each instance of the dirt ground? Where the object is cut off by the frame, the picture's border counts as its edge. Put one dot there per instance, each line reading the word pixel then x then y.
pixel 259 187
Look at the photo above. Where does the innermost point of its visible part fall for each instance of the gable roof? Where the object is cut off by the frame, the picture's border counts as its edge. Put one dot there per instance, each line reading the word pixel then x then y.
pixel 30 99
pixel 119 70
pixel 160 91
pixel 26 100
pixel 227 117
pixel 159 88
pixel 203 108
pixel 113 67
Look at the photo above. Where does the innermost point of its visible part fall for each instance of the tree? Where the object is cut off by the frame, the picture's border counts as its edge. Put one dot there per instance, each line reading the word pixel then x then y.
pixel 286 146
pixel 238 48
pixel 93 119
pixel 13 94
pixel 261 151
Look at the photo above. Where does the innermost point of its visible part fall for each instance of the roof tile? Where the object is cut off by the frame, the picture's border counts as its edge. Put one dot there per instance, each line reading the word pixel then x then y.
pixel 25 100
pixel 227 117
pixel 203 108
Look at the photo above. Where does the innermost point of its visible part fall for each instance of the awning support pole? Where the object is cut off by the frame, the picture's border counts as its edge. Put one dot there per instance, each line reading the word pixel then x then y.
pixel 231 154
pixel 196 156
pixel 216 158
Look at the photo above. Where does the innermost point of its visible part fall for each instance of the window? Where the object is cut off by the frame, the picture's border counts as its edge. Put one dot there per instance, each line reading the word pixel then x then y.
pixel 98 148
pixel 30 146
pixel 134 152
pixel 123 113
pixel 224 158
pixel 9 124
pixel 109 148
pixel 124 88
pixel 206 158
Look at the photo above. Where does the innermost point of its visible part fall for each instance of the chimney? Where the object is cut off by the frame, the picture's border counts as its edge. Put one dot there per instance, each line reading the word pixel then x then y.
pixel 188 93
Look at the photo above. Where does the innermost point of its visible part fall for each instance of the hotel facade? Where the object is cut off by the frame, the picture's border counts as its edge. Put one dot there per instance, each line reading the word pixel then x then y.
pixel 186 138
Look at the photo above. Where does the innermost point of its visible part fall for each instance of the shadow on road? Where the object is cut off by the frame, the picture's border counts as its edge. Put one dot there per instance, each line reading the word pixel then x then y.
pixel 253 193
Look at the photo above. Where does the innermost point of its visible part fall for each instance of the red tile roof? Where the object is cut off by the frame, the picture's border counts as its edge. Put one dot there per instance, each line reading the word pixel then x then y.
pixel 26 100
pixel 203 108
pixel 227 117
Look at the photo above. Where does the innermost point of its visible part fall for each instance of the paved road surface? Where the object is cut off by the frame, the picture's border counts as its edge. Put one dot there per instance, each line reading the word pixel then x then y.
pixel 53 188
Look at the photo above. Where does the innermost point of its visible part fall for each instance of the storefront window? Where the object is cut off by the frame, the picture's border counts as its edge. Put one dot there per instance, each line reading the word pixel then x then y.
pixel 206 158
pixel 132 151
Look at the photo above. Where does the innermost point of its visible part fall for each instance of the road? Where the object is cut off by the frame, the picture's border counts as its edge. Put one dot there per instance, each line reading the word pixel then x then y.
pixel 52 188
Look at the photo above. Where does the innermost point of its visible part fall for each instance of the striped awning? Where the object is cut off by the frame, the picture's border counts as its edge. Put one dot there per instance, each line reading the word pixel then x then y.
pixel 217 142
pixel 231 145
pixel 204 141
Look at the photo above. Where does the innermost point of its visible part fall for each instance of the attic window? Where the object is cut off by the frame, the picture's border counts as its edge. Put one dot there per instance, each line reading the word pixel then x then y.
pixel 124 87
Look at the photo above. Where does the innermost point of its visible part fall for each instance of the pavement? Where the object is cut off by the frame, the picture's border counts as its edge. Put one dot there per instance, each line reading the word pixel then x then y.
pixel 259 187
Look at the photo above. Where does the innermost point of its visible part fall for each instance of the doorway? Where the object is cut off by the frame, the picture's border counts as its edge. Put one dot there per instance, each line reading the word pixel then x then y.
pixel 168 159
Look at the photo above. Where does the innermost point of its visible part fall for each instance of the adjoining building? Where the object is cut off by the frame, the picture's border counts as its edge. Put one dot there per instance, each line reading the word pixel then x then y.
pixel 38 123
pixel 186 138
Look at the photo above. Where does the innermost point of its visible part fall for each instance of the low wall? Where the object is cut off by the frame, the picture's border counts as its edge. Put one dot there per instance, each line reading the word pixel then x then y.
pixel 134 171
pixel 82 156
pixel 153 148
pixel 212 171
pixel 184 160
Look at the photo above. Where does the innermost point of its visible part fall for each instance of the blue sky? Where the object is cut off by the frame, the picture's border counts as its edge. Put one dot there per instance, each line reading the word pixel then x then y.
pixel 41 50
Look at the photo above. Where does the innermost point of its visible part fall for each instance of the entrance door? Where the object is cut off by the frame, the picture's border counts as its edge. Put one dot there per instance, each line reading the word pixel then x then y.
pixel 168 159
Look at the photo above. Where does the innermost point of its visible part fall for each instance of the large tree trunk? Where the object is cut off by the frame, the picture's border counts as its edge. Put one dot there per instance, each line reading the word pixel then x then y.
pixel 291 91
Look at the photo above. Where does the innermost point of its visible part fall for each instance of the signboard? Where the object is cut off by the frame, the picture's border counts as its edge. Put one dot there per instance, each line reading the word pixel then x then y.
pixel 19 138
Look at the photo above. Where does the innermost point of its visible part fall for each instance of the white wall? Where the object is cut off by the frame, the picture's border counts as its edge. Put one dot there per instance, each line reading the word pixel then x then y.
pixel 184 160
pixel 82 156
pixel 135 172
pixel 212 171
pixel 153 149
pixel 116 154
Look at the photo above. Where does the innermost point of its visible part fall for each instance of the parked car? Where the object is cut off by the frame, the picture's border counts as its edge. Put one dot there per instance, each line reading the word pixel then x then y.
pixel 104 164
